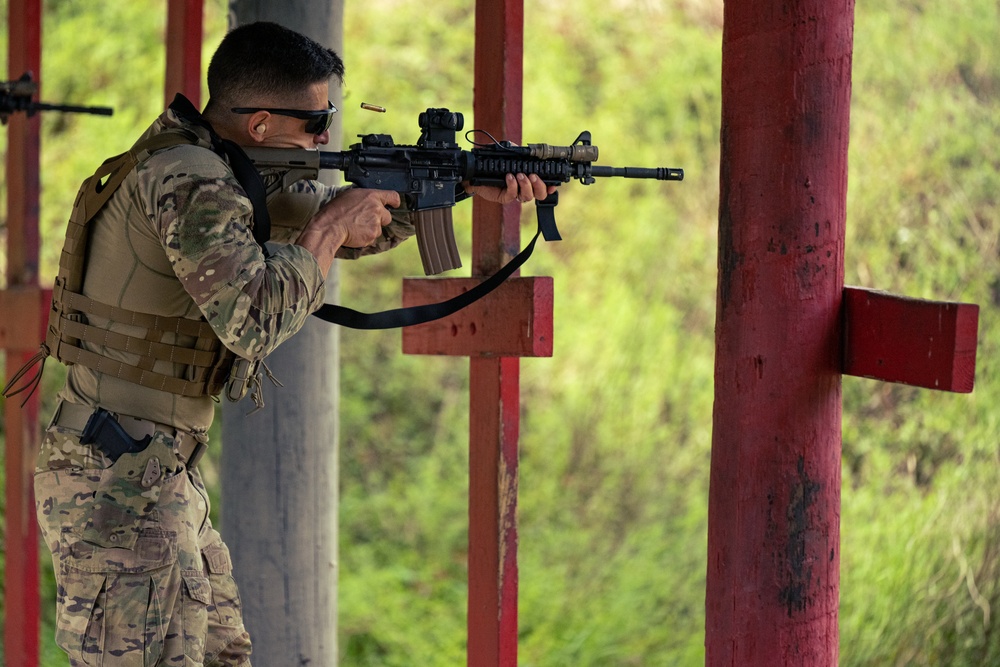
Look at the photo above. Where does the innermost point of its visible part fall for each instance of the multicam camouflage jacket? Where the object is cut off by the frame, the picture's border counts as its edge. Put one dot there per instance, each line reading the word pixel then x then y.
pixel 175 240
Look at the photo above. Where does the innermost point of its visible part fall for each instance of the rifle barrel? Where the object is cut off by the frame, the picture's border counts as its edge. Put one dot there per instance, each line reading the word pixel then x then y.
pixel 68 108
pixel 658 173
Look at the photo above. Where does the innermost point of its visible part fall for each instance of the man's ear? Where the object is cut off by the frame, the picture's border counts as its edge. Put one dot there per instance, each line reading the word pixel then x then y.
pixel 256 125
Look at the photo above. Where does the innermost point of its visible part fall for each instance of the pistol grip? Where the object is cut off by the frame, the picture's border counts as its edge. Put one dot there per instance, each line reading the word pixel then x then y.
pixel 436 240
pixel 96 423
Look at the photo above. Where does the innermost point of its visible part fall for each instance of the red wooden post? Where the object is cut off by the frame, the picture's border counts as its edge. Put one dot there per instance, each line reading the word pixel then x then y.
pixel 494 382
pixel 787 328
pixel 514 321
pixel 183 40
pixel 25 305
pixel 774 501
pixel 22 310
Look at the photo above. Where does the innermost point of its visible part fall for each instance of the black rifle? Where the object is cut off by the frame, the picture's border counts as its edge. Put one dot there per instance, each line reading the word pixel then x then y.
pixel 17 96
pixel 429 175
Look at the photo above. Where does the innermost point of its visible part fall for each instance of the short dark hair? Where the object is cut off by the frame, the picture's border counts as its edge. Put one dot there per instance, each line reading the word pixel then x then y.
pixel 266 59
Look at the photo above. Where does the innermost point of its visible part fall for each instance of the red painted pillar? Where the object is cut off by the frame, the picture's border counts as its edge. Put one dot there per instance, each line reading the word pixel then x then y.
pixel 512 322
pixel 21 599
pixel 494 391
pixel 774 501
pixel 183 40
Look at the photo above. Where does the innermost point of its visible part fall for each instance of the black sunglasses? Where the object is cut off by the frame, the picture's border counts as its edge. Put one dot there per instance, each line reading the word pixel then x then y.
pixel 319 121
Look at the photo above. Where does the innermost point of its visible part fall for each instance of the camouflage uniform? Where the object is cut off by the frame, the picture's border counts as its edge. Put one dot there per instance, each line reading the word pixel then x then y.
pixel 142 577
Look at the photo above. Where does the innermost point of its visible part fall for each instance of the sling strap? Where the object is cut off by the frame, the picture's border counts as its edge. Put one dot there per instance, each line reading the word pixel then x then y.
pixel 405 317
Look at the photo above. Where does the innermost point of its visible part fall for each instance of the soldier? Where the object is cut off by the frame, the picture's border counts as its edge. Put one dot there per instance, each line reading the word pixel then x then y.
pixel 165 299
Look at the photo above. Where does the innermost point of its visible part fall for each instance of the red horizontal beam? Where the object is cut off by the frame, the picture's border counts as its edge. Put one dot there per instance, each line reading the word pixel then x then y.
pixel 23 317
pixel 513 321
pixel 923 343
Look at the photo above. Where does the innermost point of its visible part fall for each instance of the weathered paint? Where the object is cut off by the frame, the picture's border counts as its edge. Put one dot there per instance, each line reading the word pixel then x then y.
pixel 21 423
pixel 513 321
pixel 494 395
pixel 924 343
pixel 773 570
pixel 494 383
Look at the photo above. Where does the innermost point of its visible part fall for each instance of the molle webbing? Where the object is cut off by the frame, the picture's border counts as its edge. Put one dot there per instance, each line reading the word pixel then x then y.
pixel 69 320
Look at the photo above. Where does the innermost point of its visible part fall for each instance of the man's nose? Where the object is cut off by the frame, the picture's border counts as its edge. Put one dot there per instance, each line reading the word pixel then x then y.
pixel 322 139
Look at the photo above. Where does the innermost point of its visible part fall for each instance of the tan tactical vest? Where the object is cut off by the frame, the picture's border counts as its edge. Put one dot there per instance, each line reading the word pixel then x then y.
pixel 69 325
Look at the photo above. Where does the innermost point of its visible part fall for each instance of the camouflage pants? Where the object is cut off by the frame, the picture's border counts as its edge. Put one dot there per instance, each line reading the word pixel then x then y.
pixel 142 577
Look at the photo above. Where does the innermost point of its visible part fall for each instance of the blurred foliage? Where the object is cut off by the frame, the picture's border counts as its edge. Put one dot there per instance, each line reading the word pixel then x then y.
pixel 616 427
pixel 920 529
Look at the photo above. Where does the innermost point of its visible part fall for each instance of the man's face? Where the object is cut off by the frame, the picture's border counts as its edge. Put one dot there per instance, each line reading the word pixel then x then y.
pixel 288 132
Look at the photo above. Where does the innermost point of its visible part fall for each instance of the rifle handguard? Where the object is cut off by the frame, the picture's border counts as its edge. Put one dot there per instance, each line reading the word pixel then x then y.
pixel 436 240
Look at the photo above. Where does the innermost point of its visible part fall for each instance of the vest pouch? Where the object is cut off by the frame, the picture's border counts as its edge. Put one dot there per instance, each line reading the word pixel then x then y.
pixel 240 377
pixel 128 493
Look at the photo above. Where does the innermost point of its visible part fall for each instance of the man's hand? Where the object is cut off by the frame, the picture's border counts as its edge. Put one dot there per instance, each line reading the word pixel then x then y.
pixel 354 218
pixel 522 188
pixel 361 214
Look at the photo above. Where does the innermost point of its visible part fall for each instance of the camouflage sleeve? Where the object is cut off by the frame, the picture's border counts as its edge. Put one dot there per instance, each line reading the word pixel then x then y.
pixel 397 231
pixel 203 219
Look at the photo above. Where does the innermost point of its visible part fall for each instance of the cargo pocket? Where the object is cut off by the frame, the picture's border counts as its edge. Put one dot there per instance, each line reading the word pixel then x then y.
pixel 80 607
pixel 226 609
pixel 128 491
pixel 110 601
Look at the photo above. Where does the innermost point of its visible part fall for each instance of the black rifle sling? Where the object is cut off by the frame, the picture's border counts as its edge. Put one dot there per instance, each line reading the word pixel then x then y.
pixel 253 184
pixel 405 317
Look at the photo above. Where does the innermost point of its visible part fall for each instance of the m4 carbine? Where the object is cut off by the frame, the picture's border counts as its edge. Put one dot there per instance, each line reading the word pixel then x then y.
pixel 18 96
pixel 429 175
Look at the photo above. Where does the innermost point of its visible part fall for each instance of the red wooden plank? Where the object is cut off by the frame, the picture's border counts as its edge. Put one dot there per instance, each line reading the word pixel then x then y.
pixel 183 42
pixel 917 342
pixel 513 321
pixel 22 602
pixel 774 496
